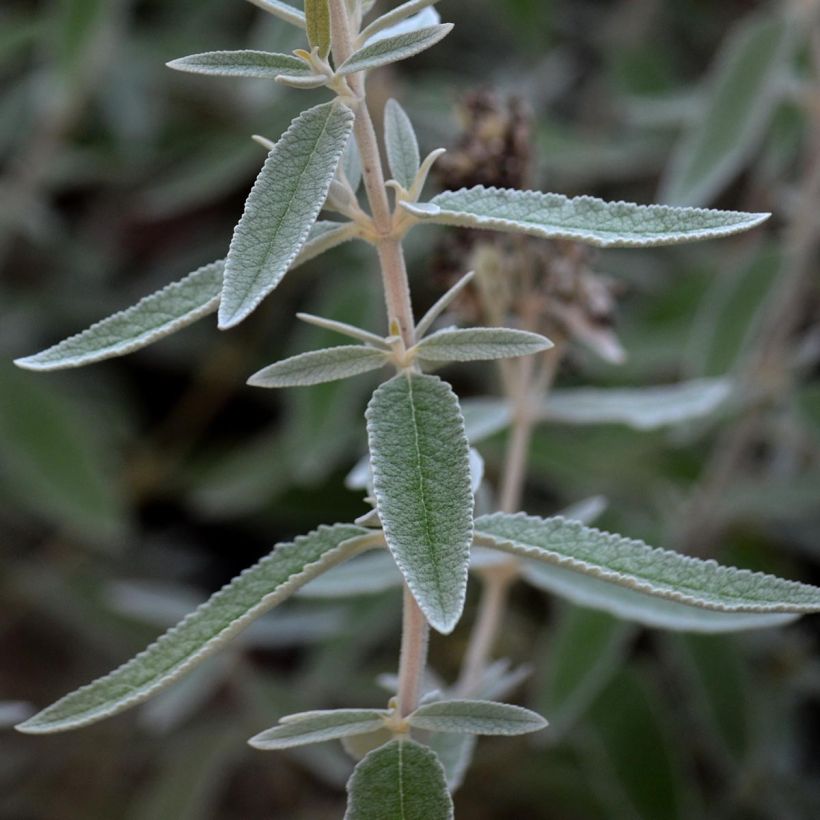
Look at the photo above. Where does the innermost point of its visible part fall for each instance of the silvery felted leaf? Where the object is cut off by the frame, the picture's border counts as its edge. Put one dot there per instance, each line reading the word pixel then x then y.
pixel 318 366
pixel 258 64
pixel 476 717
pixel 401 144
pixel 582 219
pixel 317 727
pixel 480 343
pixel 392 49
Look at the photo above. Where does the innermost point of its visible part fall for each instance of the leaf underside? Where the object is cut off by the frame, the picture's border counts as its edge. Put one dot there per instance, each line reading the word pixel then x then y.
pixel 582 219
pixel 318 366
pixel 401 780
pixel 633 564
pixel 421 480
pixel 476 717
pixel 205 630
pixel 282 205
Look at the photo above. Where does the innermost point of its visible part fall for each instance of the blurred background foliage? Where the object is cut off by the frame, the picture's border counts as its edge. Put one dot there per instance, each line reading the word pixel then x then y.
pixel 131 489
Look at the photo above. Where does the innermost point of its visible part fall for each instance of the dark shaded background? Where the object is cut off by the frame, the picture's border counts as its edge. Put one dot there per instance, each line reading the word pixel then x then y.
pixel 131 489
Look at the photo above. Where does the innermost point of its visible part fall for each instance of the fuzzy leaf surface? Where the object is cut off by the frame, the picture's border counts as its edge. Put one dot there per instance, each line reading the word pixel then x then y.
pixel 281 207
pixel 319 726
pixel 743 91
pixel 401 780
pixel 401 144
pixel 318 366
pixel 411 15
pixel 582 219
pixel 645 408
pixel 392 49
pixel 263 65
pixel 317 23
pixel 632 564
pixel 480 343
pixel 249 595
pixel 476 717
pixel 421 480
pixel 284 11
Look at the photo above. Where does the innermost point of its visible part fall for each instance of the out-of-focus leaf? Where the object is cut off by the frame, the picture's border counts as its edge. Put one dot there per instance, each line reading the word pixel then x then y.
pixel 484 417
pixel 743 91
pixel 391 49
pixel 316 727
pixel 480 343
pixel 284 11
pixel 366 575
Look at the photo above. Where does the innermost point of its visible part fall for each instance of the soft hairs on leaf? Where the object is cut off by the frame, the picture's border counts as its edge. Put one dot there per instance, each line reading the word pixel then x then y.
pixel 282 205
pixel 319 726
pixel 480 343
pixel 392 49
pixel 421 480
pixel 401 780
pixel 635 565
pixel 401 144
pixel 318 366
pixel 249 595
pixel 583 218
pixel 262 65
pixel 476 717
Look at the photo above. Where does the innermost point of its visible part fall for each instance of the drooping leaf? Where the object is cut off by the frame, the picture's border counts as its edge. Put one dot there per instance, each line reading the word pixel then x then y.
pixel 476 717
pixel 406 17
pixel 250 594
pixel 281 207
pixel 480 343
pixel 317 727
pixel 582 219
pixel 401 780
pixel 284 11
pixel 170 309
pixel 644 408
pixel 371 573
pixel 625 562
pixel 421 480
pixel 317 22
pixel 319 366
pixel 262 65
pixel 392 49
pixel 743 91
pixel 401 145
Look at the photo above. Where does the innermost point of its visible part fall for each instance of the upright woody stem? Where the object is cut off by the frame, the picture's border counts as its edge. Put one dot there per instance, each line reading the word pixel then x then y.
pixel 415 630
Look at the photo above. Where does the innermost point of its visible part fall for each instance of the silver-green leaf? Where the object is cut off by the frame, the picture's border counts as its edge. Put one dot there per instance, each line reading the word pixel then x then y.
pixel 284 11
pixel 480 343
pixel 317 727
pixel 582 219
pixel 476 717
pixel 263 65
pixel 401 145
pixel 281 207
pixel 395 48
pixel 632 564
pixel 401 780
pixel 407 16
pixel 421 480
pixel 644 408
pixel 318 366
pixel 227 612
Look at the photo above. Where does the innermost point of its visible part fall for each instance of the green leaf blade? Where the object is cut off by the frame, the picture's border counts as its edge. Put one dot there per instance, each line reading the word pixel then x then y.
pixel 480 344
pixel 420 462
pixel 401 780
pixel 634 565
pixel 581 219
pixel 263 65
pixel 401 144
pixel 317 22
pixel 318 366
pixel 476 717
pixel 392 49
pixel 205 630
pixel 317 727
pixel 281 207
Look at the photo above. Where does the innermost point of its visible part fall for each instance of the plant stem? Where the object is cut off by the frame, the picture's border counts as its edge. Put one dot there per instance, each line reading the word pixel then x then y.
pixel 415 629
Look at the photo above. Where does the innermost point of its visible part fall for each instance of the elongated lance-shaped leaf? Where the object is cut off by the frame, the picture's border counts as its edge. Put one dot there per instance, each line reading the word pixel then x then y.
pixel 392 18
pixel 317 727
pixel 742 95
pixel 166 311
pixel 582 219
pixel 401 780
pixel 421 480
pixel 649 610
pixel 634 565
pixel 262 65
pixel 644 408
pixel 345 329
pixel 227 612
pixel 476 717
pixel 442 303
pixel 281 207
pixel 480 343
pixel 392 49
pixel 284 11
pixel 401 145
pixel 318 366
pixel 317 23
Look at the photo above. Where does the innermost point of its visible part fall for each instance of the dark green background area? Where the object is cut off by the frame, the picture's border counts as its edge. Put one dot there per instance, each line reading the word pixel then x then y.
pixel 131 489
